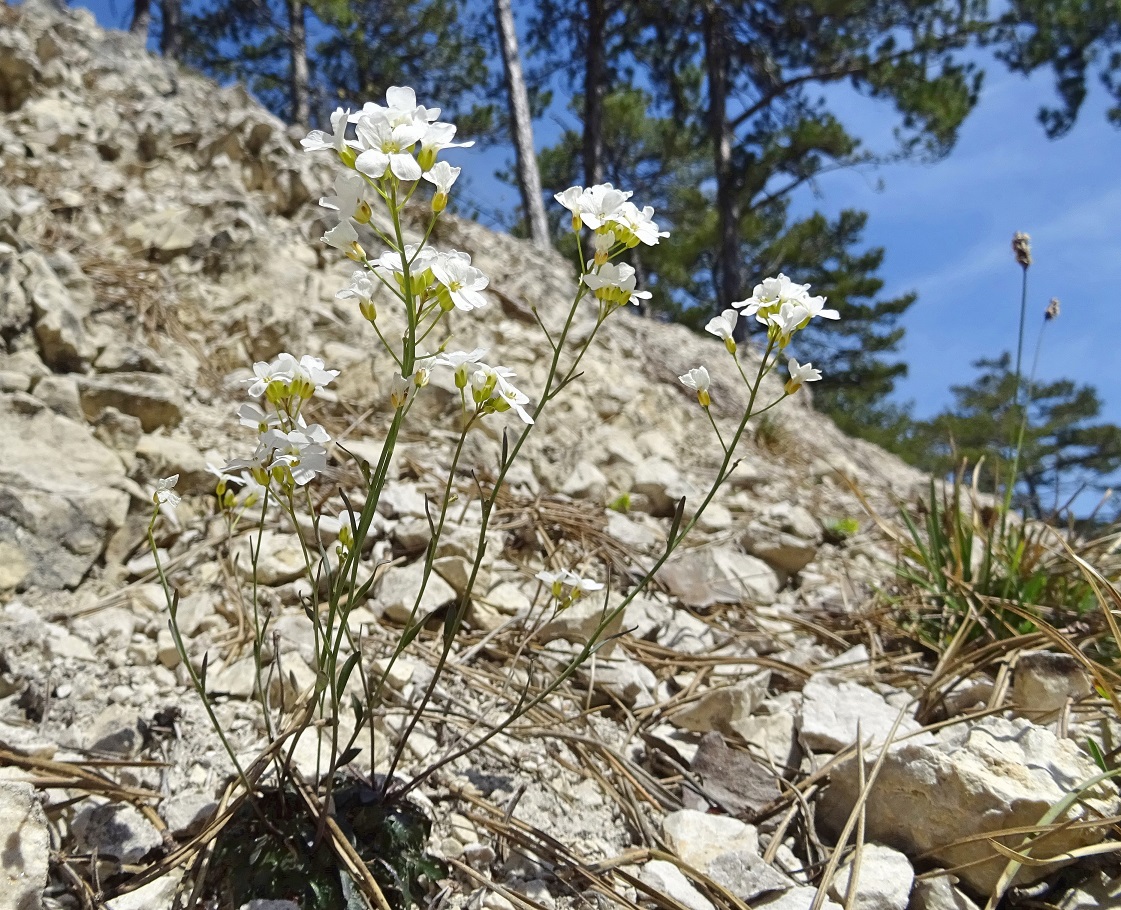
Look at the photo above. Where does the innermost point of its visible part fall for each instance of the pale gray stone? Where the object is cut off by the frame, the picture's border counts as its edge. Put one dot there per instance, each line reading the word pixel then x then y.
pixel 154 399
pixel 397 591
pixel 26 845
pixel 992 775
pixel 116 829
pixel 671 881
pixel 833 710
pixel 1044 681
pixel 706 576
pixel 884 883
pixel 940 893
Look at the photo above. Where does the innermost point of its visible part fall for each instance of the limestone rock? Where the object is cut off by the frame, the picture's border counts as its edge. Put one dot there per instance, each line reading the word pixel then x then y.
pixel 939 893
pixel 722 708
pixel 117 830
pixel 57 503
pixel 884 883
pixel 832 710
pixel 1044 681
pixel 995 774
pixel 397 591
pixel 671 881
pixel 155 400
pixel 26 847
pixel 705 576
pixel 785 536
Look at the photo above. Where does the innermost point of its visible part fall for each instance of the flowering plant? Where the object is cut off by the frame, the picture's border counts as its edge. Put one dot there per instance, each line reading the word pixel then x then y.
pixel 386 154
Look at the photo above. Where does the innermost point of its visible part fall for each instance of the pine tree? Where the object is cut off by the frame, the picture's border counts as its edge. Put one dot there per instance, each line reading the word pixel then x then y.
pixel 1066 450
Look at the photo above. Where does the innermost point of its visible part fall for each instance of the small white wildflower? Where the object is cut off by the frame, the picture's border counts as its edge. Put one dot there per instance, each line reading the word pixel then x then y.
pixel 724 326
pixel 165 492
pixel 799 374
pixel 698 380
pixel 614 284
pixel 566 586
pixel 387 148
pixel 317 140
pixel 344 237
pixel 459 282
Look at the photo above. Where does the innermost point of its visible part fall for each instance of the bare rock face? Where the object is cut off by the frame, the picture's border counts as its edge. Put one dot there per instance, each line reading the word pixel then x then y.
pixel 58 500
pixel 996 774
pixel 26 843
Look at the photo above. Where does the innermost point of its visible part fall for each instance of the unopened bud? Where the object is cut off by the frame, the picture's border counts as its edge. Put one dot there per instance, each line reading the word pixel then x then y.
pixel 1052 311
pixel 368 310
pixel 348 156
pixel 363 213
pixel 426 158
pixel 1021 248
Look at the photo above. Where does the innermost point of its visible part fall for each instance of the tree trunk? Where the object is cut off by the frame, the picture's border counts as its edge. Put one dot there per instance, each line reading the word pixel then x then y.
pixel 729 280
pixel 299 100
pixel 595 85
pixel 521 127
pixel 141 17
pixel 171 34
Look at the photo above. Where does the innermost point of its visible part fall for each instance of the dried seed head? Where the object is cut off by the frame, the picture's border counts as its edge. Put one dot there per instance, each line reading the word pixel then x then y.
pixel 1052 311
pixel 1021 248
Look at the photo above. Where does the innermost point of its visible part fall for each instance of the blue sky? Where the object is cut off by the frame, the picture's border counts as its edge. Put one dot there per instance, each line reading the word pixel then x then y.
pixel 947 227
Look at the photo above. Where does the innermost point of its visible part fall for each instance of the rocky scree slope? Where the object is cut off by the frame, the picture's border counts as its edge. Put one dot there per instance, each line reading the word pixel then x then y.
pixel 158 234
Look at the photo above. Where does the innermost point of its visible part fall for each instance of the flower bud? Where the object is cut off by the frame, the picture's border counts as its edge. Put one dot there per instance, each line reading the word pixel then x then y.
pixel 348 156
pixel 703 397
pixel 730 344
pixel 363 213
pixel 577 223
pixel 439 203
pixel 368 311
pixel 1021 248
pixel 426 158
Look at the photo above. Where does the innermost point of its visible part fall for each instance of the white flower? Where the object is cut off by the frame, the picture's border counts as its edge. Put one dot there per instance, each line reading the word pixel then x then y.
pixel 344 237
pixel 799 374
pixel 614 283
pixel 438 137
pixel 492 390
pixel 165 492
pixel 265 374
pixel 301 452
pixel 770 294
pixel 785 322
pixel 348 201
pixel 814 307
pixel 637 225
pixel 600 204
pixel 462 364
pixel 724 326
pixel 558 581
pixel 387 147
pixel 698 380
pixel 317 140
pixel 420 261
pixel 361 288
pixel 442 175
pixel 402 108
pixel 459 281
pixel 257 418
pixel 399 390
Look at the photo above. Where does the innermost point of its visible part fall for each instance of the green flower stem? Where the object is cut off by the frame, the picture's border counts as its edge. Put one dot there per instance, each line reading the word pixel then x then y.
pixel 177 638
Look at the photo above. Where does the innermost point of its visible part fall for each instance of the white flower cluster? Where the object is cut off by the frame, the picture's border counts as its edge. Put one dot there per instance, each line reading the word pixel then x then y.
pixel 605 210
pixel 619 225
pixel 289 452
pixel 489 388
pixel 784 308
pixel 566 586
pixel 399 140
